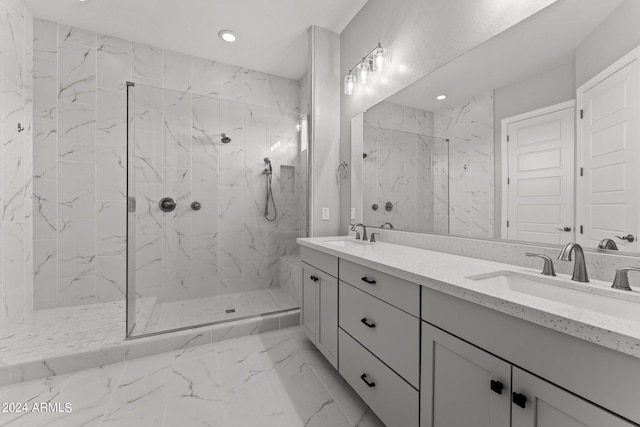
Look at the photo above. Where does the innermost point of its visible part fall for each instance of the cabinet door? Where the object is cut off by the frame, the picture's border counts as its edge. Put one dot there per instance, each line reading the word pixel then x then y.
pixel 549 406
pixel 328 317
pixel 461 385
pixel 309 316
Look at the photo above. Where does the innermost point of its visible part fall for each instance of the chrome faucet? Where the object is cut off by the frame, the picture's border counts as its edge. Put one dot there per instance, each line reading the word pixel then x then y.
pixel 621 281
pixel 364 231
pixel 387 223
pixel 579 267
pixel 548 269
pixel 607 243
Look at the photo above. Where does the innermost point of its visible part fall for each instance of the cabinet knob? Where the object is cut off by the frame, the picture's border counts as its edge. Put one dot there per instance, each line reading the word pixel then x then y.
pixel 369 281
pixel 364 378
pixel 314 278
pixel 364 320
pixel 497 386
pixel 519 399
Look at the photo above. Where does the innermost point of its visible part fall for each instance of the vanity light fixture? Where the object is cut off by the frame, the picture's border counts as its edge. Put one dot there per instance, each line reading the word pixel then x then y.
pixel 227 35
pixel 349 84
pixel 441 97
pixel 374 61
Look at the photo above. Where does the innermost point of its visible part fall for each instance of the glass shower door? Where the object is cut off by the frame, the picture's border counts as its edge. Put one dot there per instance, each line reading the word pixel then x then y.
pixel 200 250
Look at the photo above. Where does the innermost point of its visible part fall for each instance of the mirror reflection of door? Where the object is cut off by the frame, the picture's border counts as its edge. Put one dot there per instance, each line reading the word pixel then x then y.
pixel 608 139
pixel 539 150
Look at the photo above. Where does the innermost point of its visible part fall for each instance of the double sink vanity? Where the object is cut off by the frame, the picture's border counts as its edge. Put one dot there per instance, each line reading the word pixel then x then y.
pixel 433 339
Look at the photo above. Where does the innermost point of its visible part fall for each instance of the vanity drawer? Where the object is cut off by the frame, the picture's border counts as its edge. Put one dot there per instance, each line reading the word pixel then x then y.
pixel 393 400
pixel 320 260
pixel 397 292
pixel 394 336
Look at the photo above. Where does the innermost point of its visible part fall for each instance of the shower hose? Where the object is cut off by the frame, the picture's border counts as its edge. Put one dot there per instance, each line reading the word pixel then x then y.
pixel 270 198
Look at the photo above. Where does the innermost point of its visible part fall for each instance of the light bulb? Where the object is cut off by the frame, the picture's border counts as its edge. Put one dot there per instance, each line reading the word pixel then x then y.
pixel 363 73
pixel 349 84
pixel 379 57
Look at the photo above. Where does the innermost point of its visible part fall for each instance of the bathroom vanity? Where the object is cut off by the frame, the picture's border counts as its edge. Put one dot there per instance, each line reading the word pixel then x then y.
pixel 434 339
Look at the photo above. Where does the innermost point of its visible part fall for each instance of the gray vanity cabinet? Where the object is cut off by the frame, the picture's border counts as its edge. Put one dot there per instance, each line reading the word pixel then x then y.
pixel 463 385
pixel 319 314
pixel 551 406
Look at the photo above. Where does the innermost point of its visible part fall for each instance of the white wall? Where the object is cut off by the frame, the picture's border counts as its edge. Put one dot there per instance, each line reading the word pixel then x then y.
pixel 16 161
pixel 325 122
pixel 615 37
pixel 420 37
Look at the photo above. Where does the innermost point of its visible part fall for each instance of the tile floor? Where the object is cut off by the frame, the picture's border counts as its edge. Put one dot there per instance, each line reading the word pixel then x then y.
pixel 274 379
pixel 57 332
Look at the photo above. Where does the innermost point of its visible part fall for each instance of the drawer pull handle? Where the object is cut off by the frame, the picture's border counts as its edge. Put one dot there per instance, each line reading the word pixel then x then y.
pixel 519 399
pixel 497 386
pixel 364 378
pixel 369 281
pixel 364 320
pixel 314 278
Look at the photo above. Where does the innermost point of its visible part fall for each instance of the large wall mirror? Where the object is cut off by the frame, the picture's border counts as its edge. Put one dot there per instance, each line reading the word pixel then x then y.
pixel 537 139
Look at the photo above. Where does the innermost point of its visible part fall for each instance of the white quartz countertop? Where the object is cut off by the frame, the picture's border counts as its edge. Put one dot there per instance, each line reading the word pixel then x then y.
pixel 449 274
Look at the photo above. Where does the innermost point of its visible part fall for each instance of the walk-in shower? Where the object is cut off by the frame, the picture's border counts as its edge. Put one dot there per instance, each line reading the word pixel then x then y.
pixel 219 262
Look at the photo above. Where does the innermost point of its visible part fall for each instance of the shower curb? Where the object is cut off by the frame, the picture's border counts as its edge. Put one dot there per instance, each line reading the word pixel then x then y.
pixel 147 346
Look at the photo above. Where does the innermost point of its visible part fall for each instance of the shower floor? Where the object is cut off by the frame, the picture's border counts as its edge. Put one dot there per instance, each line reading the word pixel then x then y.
pixel 62 331
pixel 187 313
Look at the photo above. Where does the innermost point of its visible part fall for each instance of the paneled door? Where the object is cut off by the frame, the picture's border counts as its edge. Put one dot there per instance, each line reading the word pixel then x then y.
pixel 540 170
pixel 608 155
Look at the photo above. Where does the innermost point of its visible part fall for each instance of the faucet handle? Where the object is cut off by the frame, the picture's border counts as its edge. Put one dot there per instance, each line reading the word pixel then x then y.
pixel 372 239
pixel 621 281
pixel 548 269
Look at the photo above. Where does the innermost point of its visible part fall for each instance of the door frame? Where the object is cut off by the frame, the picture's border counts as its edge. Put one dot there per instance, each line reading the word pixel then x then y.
pixel 504 153
pixel 628 58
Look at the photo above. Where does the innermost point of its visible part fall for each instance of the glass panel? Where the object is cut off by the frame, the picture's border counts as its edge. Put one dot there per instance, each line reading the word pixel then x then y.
pixel 406 179
pixel 206 236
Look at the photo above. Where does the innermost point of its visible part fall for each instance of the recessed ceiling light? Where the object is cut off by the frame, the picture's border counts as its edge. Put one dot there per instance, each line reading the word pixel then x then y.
pixel 441 97
pixel 227 35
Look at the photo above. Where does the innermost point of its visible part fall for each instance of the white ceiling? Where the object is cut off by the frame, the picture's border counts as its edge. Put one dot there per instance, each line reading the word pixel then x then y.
pixel 272 34
pixel 545 40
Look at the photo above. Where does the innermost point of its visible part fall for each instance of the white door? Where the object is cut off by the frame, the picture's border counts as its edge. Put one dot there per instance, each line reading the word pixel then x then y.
pixel 537 403
pixel 608 141
pixel 540 152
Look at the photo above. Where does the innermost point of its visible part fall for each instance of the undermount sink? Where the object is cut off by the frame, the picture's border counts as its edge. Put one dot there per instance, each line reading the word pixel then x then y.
pixel 348 242
pixel 598 300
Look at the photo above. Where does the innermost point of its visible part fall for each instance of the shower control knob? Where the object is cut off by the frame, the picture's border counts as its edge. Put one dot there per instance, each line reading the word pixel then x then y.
pixel 196 206
pixel 167 204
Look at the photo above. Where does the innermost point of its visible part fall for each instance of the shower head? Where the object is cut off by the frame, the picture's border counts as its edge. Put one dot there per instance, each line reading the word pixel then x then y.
pixel 267 161
pixel 225 139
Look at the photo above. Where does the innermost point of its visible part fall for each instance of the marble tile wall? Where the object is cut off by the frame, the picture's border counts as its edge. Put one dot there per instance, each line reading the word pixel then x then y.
pixel 182 104
pixel 399 144
pixel 469 128
pixel 16 164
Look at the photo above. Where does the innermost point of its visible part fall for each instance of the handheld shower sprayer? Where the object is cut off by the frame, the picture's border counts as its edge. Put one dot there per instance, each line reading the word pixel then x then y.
pixel 268 171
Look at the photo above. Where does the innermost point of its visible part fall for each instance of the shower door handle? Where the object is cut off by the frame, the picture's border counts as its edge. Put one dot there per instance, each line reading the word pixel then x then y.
pixel 167 204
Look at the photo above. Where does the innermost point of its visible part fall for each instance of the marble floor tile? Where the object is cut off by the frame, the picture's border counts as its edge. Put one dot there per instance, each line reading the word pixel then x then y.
pixel 267 380
pixel 48 334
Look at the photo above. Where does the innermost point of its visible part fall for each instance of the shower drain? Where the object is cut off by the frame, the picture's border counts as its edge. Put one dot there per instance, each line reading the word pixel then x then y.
pixel 230 310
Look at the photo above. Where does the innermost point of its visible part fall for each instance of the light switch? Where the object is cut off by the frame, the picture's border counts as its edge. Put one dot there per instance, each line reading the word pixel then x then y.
pixel 325 214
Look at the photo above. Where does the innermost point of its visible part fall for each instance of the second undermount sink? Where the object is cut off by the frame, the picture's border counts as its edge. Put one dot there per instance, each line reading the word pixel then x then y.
pixel 344 243
pixel 602 301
